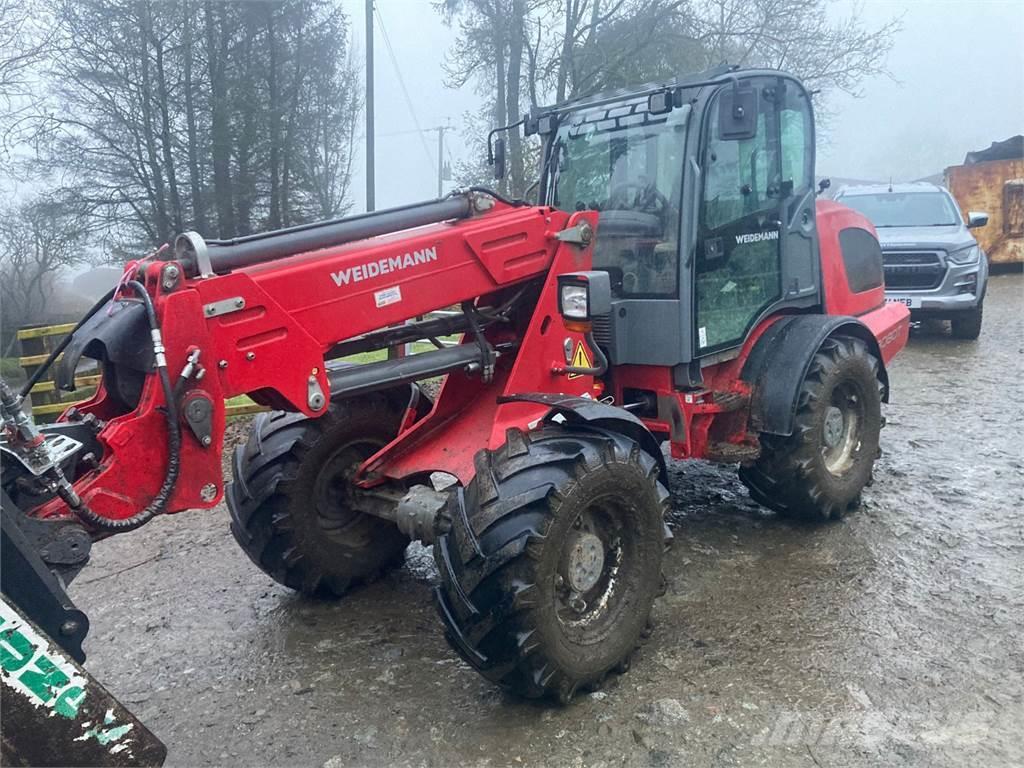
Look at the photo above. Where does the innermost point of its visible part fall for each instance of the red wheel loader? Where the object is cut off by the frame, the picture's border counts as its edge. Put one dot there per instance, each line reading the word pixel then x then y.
pixel 677 282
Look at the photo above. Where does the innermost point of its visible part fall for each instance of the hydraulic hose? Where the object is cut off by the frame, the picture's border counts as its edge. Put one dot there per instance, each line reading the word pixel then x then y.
pixel 599 357
pixel 67 492
pixel 517 202
pixel 34 378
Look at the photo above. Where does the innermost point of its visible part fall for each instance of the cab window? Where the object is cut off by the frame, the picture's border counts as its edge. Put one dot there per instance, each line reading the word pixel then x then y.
pixel 738 266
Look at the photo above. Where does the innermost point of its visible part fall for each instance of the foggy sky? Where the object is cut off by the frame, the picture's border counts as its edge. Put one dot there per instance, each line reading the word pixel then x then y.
pixel 959 85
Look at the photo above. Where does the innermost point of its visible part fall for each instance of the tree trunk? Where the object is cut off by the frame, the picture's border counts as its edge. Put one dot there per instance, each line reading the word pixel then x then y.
pixel 274 118
pixel 194 172
pixel 500 103
pixel 166 140
pixel 163 223
pixel 220 129
pixel 516 39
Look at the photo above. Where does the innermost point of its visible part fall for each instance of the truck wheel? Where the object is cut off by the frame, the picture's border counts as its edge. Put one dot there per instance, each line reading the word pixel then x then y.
pixel 818 472
pixel 290 502
pixel 552 563
pixel 967 325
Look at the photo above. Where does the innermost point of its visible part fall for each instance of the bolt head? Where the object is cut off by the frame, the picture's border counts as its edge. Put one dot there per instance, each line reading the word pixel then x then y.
pixel 207 440
pixel 222 364
pixel 69 628
pixel 250 355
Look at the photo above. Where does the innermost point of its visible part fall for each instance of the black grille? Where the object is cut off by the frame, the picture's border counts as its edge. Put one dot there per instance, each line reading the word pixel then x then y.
pixel 913 270
pixel 602 329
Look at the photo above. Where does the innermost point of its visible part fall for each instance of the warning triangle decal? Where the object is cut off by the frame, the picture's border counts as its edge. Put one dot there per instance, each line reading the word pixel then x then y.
pixel 581 359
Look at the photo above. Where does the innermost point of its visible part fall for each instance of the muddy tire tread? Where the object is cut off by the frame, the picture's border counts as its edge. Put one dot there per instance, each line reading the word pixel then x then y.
pixel 265 486
pixel 487 566
pixel 783 477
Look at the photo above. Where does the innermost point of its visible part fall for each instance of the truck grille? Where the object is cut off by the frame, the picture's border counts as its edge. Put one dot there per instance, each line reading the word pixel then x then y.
pixel 913 270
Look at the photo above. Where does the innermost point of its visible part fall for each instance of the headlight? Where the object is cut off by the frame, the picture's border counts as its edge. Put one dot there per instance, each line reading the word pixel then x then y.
pixel 574 302
pixel 967 255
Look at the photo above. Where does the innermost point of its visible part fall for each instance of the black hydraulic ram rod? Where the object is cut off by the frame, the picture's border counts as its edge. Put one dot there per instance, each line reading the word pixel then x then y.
pixel 220 256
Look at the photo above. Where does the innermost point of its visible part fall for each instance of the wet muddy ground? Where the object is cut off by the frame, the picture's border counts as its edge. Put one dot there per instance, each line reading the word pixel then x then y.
pixel 895 637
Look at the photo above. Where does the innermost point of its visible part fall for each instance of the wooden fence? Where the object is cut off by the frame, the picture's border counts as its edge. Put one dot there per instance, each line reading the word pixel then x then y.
pixel 48 402
pixel 37 342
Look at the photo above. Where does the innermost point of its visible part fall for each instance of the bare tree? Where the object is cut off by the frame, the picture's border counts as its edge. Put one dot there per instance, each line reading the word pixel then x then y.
pixel 525 52
pixel 220 116
pixel 24 43
pixel 38 240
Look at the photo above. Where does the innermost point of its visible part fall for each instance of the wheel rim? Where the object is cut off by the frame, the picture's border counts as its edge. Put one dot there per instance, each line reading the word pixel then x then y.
pixel 592 571
pixel 842 429
pixel 336 507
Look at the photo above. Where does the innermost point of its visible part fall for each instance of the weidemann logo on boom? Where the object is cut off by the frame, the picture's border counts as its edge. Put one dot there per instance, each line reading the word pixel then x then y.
pixel 383 266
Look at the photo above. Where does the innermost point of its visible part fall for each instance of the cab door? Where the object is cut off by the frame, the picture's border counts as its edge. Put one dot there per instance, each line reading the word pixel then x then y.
pixel 755 250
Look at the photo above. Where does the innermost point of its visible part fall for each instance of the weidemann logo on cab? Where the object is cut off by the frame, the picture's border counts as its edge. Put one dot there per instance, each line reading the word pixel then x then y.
pixel 383 266
pixel 757 237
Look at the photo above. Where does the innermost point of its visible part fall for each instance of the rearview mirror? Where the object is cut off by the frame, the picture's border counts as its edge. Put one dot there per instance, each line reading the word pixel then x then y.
pixel 499 158
pixel 737 113
pixel 976 219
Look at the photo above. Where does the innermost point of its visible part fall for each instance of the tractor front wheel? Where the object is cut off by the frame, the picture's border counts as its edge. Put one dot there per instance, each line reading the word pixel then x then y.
pixel 553 561
pixel 291 502
pixel 818 472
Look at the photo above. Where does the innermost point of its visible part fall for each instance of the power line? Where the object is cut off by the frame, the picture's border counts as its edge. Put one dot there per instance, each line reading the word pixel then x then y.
pixel 401 82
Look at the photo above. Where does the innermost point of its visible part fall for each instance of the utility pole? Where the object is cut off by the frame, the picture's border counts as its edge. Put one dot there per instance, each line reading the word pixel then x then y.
pixel 440 159
pixel 369 106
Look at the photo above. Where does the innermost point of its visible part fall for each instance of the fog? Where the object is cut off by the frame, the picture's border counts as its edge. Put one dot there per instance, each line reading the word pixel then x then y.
pixel 957 85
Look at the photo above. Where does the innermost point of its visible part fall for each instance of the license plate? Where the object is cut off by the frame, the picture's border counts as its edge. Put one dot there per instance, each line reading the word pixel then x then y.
pixel 909 303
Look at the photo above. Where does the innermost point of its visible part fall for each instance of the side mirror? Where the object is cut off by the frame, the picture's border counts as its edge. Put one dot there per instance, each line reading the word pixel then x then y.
pixel 976 219
pixel 499 158
pixel 737 113
pixel 823 185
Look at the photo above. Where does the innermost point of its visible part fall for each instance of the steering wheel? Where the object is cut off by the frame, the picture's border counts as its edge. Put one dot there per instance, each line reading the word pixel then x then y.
pixel 645 197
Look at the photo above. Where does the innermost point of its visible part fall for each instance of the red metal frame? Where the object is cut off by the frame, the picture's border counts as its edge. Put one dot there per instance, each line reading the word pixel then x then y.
pixel 292 311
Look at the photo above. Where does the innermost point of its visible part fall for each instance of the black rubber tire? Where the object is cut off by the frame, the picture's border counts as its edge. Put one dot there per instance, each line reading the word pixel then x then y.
pixel 791 476
pixel 499 593
pixel 291 519
pixel 967 325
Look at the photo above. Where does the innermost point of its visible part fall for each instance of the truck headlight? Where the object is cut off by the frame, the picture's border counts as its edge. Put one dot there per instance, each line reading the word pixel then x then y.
pixel 968 255
pixel 574 301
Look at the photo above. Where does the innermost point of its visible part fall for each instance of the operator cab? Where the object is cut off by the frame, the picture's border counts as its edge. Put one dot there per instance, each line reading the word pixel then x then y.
pixel 706 200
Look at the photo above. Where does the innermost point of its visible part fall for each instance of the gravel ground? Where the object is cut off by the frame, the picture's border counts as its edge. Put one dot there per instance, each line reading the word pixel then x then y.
pixel 895 637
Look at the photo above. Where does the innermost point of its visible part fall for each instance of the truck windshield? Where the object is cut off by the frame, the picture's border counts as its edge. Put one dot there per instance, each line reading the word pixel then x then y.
pixel 627 164
pixel 910 209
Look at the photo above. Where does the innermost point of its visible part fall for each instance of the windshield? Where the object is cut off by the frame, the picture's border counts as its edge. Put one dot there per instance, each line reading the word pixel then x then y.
pixel 628 164
pixel 910 209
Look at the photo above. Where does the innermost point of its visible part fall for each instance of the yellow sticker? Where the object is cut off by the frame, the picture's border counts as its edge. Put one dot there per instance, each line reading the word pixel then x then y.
pixel 580 360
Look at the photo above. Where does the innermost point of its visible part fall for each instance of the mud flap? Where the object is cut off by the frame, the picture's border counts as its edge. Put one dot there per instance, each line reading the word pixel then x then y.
pixel 55 713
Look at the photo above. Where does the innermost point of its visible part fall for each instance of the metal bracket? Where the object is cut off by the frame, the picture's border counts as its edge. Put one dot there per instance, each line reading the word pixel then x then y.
pixel 54 451
pixel 198 410
pixel 190 246
pixel 314 394
pixel 582 234
pixel 223 307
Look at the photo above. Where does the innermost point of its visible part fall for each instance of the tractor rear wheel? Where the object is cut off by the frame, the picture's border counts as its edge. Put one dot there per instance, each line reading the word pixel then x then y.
pixel 292 509
pixel 551 566
pixel 818 472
